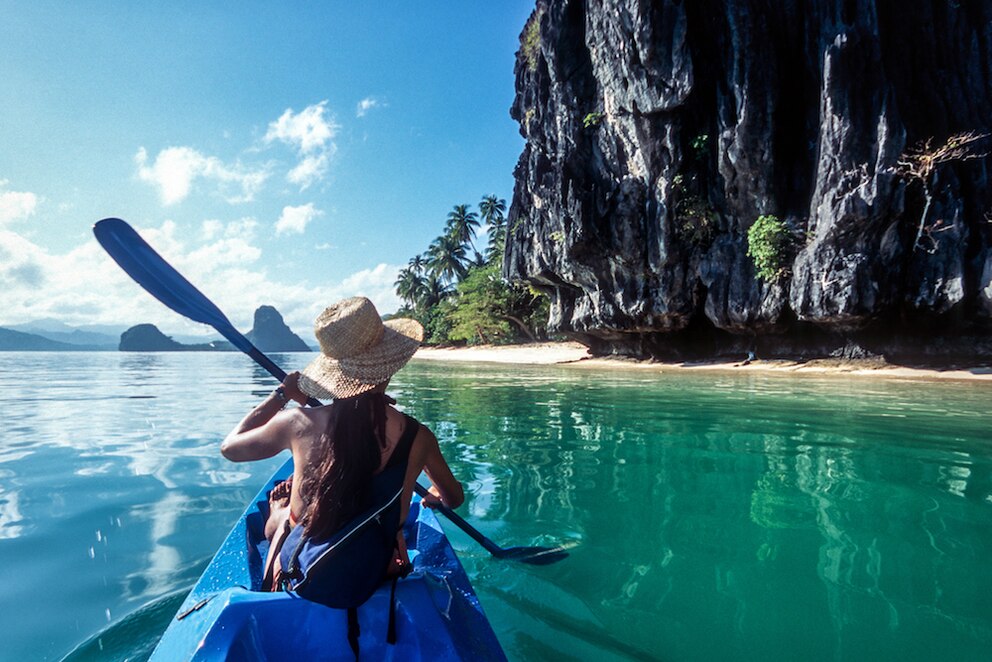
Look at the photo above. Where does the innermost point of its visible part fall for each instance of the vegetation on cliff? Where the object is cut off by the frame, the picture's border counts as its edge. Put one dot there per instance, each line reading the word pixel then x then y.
pixel 458 293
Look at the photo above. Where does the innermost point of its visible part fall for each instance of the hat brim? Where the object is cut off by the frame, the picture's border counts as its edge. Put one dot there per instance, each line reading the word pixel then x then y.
pixel 344 378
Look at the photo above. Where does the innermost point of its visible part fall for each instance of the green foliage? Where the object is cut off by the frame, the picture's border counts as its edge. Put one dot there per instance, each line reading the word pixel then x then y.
pixel 530 40
pixel 699 145
pixel 478 317
pixel 695 219
pixel 459 299
pixel 487 309
pixel 558 237
pixel 768 244
pixel 592 119
pixel 437 323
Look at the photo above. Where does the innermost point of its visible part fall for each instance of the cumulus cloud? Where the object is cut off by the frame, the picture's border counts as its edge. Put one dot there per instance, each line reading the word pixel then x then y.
pixel 295 219
pixel 176 168
pixel 309 170
pixel 222 259
pixel 15 205
pixel 311 133
pixel 365 105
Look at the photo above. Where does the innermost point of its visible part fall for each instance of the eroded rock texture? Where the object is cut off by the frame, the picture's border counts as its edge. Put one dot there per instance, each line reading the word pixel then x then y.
pixel 658 131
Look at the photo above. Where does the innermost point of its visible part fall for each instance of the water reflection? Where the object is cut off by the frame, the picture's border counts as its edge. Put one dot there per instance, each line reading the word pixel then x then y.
pixel 10 514
pixel 751 507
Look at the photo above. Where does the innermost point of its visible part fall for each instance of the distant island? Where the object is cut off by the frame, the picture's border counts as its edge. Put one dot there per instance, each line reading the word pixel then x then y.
pixel 269 333
pixel 148 338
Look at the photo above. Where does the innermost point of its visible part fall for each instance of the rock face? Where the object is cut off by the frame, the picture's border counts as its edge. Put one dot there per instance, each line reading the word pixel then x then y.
pixel 270 333
pixel 147 338
pixel 658 132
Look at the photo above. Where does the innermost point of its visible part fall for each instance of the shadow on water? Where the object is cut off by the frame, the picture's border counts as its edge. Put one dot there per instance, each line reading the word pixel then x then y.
pixel 134 637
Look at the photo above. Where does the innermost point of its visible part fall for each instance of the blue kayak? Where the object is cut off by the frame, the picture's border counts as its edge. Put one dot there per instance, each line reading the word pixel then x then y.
pixel 226 617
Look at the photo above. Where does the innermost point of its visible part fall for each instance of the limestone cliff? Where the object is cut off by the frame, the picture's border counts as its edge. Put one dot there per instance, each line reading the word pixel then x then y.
pixel 659 131
pixel 271 334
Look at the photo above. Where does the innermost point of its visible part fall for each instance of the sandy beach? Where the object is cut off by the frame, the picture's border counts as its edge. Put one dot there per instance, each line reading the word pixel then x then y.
pixel 573 354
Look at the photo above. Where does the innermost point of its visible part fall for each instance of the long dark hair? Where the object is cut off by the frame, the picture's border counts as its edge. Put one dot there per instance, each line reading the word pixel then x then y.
pixel 346 456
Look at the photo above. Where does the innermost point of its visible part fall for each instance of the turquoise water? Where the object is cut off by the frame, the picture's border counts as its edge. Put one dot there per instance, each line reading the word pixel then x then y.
pixel 709 516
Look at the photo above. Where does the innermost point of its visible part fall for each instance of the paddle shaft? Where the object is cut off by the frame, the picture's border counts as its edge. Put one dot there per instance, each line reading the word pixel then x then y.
pixel 457 520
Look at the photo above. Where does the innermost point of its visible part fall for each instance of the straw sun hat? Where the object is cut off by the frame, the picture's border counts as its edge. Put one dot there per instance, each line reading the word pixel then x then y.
pixel 358 350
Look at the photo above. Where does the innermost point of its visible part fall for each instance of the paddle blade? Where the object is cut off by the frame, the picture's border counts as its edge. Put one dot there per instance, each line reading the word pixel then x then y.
pixel 160 279
pixel 534 555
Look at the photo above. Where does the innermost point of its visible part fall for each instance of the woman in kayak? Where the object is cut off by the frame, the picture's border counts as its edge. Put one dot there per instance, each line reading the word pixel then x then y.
pixel 338 448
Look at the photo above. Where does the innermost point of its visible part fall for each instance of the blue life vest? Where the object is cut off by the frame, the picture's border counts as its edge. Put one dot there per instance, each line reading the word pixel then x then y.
pixel 345 569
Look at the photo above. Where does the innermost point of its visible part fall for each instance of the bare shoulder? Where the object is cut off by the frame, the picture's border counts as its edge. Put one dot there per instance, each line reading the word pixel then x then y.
pixel 305 423
pixel 425 443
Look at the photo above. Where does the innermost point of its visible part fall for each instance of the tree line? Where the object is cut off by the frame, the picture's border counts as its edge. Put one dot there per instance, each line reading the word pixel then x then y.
pixel 458 292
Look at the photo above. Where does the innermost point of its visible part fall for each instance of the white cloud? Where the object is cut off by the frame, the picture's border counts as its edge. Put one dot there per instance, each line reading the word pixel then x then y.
pixel 211 228
pixel 309 170
pixel 311 132
pixel 295 219
pixel 175 169
pixel 15 205
pixel 365 105
pixel 243 228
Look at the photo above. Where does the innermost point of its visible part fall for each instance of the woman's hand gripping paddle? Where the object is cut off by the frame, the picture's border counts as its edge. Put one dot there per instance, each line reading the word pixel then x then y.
pixel 162 281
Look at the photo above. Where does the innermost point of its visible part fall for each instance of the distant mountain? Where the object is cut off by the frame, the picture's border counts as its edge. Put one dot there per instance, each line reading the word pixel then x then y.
pixel 270 333
pixel 46 326
pixel 18 341
pixel 148 338
pixel 87 339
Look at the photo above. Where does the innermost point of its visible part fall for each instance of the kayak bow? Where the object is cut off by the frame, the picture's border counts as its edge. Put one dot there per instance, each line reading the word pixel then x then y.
pixel 227 617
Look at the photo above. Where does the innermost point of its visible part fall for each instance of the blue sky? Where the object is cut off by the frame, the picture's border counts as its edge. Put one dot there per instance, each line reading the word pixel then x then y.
pixel 285 153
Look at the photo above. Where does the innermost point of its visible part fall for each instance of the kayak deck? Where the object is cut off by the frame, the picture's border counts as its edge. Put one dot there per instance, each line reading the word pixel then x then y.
pixel 226 617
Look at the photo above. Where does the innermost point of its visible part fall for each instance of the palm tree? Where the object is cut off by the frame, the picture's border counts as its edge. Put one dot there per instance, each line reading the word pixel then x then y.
pixel 477 261
pixel 410 286
pixel 418 263
pixel 492 210
pixel 462 224
pixel 447 258
pixel 434 291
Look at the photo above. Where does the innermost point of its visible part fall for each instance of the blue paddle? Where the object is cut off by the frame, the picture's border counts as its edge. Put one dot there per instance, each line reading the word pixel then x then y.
pixel 160 279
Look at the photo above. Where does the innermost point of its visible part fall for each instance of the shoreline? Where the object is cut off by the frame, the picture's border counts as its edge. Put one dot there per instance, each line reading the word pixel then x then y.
pixel 575 355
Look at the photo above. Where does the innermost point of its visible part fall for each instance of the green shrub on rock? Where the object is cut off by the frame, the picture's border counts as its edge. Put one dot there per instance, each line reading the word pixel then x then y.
pixel 530 40
pixel 768 243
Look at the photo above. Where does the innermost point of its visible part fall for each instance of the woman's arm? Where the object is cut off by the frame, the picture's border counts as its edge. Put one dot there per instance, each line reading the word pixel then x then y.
pixel 445 488
pixel 266 430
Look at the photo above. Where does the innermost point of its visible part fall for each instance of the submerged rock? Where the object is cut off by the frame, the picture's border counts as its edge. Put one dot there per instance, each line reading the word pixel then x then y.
pixel 658 132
